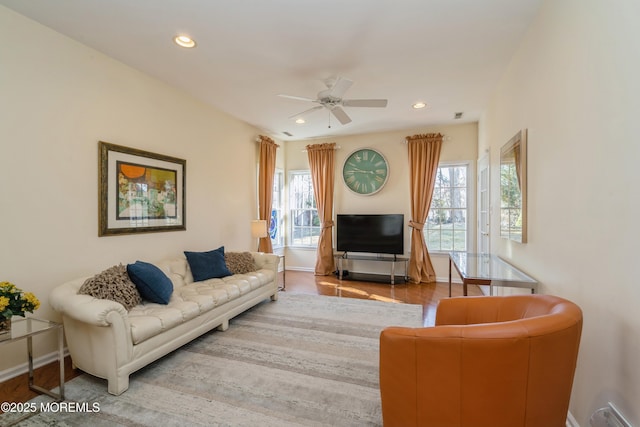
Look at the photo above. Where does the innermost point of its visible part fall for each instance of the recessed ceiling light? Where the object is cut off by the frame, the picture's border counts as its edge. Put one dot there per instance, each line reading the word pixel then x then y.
pixel 419 105
pixel 184 41
pixel 300 121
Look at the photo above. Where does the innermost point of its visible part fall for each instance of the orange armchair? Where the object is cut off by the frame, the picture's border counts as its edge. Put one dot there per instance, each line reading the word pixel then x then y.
pixel 504 361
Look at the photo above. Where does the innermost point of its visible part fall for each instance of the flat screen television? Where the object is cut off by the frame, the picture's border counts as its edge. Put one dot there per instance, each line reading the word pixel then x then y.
pixel 380 234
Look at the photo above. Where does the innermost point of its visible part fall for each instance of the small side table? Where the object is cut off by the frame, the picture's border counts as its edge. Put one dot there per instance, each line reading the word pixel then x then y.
pixel 488 270
pixel 27 328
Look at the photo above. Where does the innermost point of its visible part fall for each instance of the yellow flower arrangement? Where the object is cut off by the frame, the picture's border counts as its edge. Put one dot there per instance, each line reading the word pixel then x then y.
pixel 15 302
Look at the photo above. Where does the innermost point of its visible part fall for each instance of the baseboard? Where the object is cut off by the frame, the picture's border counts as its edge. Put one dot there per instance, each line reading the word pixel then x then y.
pixel 571 421
pixel 305 269
pixel 23 368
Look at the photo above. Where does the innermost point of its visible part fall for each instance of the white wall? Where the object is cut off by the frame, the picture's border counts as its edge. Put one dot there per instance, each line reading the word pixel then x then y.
pixel 58 99
pixel 460 145
pixel 574 84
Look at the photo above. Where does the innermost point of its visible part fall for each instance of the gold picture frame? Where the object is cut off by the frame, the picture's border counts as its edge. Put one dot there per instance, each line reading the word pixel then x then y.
pixel 139 191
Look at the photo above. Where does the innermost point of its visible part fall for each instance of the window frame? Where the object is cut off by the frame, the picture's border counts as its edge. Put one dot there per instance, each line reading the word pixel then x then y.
pixel 291 215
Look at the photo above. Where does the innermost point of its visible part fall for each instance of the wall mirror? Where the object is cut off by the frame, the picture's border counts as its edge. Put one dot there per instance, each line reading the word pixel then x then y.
pixel 513 188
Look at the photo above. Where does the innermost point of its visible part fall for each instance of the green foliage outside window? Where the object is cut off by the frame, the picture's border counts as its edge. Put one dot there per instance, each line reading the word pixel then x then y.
pixel 446 226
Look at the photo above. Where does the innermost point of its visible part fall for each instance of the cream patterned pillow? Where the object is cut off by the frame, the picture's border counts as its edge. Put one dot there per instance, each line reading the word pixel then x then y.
pixel 239 262
pixel 113 284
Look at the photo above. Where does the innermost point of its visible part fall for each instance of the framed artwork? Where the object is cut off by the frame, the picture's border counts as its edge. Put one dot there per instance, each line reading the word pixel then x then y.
pixel 140 192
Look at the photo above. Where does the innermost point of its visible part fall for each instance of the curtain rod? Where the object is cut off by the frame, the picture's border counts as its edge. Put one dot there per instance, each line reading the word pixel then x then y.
pixel 444 138
pixel 337 147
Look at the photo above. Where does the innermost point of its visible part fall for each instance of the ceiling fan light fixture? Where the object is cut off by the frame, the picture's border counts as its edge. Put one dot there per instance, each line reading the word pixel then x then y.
pixel 331 100
pixel 184 41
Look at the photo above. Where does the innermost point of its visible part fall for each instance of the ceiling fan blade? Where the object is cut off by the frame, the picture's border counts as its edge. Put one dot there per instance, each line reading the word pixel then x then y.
pixel 306 111
pixel 299 98
pixel 375 103
pixel 339 87
pixel 339 114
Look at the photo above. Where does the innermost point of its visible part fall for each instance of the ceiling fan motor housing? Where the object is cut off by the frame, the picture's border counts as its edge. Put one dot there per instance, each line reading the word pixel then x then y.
pixel 329 102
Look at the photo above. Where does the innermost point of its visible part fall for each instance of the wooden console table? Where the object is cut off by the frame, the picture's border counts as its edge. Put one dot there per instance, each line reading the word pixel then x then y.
pixel 488 269
pixel 393 260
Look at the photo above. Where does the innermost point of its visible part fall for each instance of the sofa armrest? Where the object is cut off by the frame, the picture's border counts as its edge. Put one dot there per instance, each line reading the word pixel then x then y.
pixel 84 308
pixel 266 261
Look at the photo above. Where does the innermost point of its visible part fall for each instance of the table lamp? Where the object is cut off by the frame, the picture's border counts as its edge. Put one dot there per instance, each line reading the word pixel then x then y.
pixel 259 229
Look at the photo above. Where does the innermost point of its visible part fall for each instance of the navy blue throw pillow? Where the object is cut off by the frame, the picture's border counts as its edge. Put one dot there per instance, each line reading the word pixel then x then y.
pixel 207 265
pixel 151 282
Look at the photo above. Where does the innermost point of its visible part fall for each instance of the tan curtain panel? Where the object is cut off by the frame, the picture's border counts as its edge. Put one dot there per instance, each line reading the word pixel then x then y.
pixel 266 173
pixel 424 154
pixel 322 166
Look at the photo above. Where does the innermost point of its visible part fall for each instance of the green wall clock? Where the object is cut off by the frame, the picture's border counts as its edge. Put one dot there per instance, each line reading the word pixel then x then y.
pixel 365 171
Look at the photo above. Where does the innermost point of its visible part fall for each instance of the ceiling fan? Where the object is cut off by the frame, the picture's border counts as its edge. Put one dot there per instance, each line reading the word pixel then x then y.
pixel 331 99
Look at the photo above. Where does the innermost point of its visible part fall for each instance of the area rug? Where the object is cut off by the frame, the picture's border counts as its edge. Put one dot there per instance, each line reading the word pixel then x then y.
pixel 304 360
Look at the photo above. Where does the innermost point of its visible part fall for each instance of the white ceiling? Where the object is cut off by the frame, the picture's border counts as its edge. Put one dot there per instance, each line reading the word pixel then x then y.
pixel 447 53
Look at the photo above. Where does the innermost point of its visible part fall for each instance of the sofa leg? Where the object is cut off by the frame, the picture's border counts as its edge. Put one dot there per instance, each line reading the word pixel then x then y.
pixel 118 385
pixel 224 326
pixel 274 297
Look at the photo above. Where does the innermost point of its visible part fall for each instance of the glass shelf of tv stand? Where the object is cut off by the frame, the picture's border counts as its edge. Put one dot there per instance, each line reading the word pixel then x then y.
pixel 393 259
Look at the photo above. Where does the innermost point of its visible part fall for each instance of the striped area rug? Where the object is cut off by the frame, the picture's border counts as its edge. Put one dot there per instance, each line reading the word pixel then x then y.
pixel 304 360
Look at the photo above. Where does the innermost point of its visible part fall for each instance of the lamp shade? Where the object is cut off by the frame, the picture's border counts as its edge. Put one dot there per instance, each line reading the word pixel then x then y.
pixel 259 228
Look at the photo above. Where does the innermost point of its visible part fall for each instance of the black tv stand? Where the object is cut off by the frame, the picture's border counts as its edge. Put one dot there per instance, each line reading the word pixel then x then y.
pixel 365 257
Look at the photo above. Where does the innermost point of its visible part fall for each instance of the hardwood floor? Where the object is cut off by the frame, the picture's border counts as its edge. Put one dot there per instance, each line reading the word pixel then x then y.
pixel 17 389
pixel 427 295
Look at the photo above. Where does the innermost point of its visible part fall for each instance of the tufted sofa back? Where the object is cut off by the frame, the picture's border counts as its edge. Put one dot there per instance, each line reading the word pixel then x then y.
pixel 177 269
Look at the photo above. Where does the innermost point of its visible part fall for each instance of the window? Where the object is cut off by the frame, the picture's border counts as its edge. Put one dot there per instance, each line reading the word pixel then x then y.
pixel 304 221
pixel 277 209
pixel 447 223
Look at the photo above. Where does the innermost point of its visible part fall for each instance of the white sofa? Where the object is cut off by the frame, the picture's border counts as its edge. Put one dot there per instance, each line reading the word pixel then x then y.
pixel 106 340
